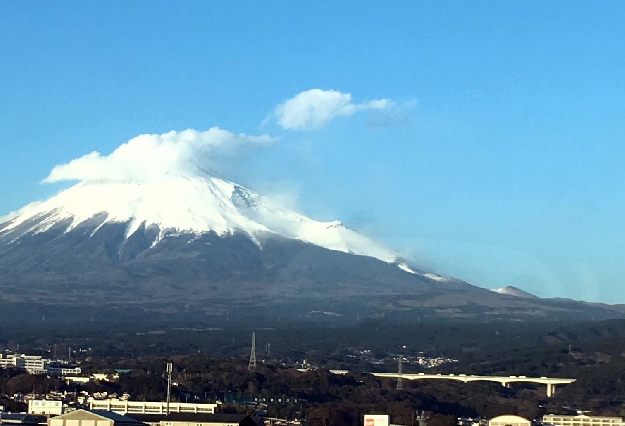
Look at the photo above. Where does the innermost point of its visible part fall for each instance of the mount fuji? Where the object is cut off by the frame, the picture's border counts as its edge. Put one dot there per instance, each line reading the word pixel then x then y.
pixel 196 242
pixel 190 206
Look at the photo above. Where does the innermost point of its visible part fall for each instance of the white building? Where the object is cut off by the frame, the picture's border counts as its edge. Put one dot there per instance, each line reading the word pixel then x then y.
pixel 377 420
pixel 86 418
pixel 77 380
pixel 104 377
pixel 149 407
pixel 564 420
pixel 34 364
pixel 509 420
pixel 45 407
pixel 7 361
pixel 63 370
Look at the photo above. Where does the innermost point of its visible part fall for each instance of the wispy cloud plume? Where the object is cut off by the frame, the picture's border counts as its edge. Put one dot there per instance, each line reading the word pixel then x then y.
pixel 397 114
pixel 314 108
pixel 149 157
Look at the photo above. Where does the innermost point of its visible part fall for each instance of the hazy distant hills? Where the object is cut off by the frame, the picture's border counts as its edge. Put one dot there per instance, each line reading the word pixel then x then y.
pixel 213 247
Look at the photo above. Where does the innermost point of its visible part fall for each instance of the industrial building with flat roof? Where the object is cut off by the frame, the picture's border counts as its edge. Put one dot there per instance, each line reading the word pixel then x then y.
pixel 93 418
pixel 45 407
pixel 193 419
pixel 149 407
pixel 36 364
pixel 564 420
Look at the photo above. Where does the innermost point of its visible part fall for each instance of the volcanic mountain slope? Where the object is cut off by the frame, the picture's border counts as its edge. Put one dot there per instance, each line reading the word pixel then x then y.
pixel 200 241
pixel 514 291
pixel 208 229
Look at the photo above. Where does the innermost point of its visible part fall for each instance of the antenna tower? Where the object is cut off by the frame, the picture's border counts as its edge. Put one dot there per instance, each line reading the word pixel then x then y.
pixel 252 364
pixel 400 383
pixel 170 368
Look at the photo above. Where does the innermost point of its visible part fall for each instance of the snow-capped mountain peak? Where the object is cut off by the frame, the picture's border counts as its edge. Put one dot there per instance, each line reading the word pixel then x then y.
pixel 188 204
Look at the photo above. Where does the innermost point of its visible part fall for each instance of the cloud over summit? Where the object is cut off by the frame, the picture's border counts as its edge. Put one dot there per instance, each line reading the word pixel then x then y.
pixel 314 108
pixel 150 157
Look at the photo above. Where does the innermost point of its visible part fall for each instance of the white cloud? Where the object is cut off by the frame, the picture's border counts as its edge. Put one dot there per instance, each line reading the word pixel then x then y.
pixel 149 157
pixel 314 108
pixel 396 114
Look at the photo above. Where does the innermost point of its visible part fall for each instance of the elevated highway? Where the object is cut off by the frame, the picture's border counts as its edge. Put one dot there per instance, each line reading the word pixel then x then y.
pixel 551 382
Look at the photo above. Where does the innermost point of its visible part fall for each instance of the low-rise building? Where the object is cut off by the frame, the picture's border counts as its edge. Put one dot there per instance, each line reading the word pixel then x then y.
pixel 105 377
pixel 77 379
pixel 32 363
pixel 36 364
pixel 566 420
pixel 377 420
pixel 150 407
pixel 92 418
pixel 62 369
pixel 45 407
pixel 8 361
pixel 509 420
pixel 195 419
pixel 20 419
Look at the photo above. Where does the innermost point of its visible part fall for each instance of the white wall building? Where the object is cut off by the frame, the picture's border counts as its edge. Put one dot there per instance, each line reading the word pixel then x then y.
pixel 86 418
pixel 63 370
pixel 77 380
pixel 105 377
pixel 149 407
pixel 377 420
pixel 36 364
pixel 32 363
pixel 8 361
pixel 45 407
pixel 564 420
pixel 509 420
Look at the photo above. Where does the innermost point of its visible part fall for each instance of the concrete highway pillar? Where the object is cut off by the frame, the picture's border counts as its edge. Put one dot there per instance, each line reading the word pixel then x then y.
pixel 551 390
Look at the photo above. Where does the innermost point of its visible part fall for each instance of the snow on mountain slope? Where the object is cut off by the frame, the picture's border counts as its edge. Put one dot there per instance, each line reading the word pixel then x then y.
pixel 514 291
pixel 183 204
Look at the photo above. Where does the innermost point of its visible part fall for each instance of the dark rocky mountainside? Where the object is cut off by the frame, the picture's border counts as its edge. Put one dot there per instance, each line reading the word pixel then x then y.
pixel 96 265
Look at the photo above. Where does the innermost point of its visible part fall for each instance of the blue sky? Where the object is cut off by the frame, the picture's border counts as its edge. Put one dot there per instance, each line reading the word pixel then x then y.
pixel 499 162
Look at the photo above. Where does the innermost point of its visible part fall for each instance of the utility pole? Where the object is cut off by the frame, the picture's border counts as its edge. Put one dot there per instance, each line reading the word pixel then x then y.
pixel 252 365
pixel 400 384
pixel 170 368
